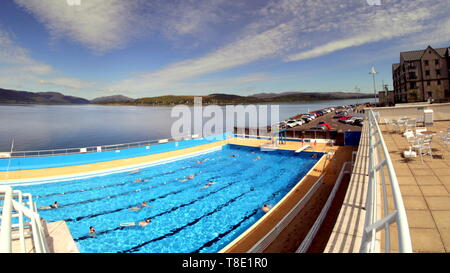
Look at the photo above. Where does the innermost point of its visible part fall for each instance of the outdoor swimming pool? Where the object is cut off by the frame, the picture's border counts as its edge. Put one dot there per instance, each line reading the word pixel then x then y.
pixel 185 217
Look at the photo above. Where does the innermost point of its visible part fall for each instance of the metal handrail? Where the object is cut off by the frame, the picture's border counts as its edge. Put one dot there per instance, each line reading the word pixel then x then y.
pixel 378 160
pixel 304 246
pixel 5 232
pixel 94 149
pixel 9 206
pixel 265 241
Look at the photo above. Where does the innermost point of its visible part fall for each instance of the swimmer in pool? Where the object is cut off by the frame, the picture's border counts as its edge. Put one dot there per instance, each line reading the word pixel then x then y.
pixel 140 180
pixel 208 185
pixel 266 208
pixel 92 231
pixel 257 158
pixel 233 156
pixel 140 223
pixel 143 204
pixel 190 177
pixel 202 161
pixel 53 206
pixel 314 156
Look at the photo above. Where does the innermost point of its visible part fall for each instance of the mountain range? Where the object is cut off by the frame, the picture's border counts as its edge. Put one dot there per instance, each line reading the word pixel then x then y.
pixel 24 97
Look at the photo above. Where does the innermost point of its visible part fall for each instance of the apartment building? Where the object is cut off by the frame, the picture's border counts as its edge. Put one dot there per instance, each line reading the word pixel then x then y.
pixel 422 75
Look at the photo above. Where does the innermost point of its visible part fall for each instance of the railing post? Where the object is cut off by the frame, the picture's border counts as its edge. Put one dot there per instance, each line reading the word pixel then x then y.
pixel 5 233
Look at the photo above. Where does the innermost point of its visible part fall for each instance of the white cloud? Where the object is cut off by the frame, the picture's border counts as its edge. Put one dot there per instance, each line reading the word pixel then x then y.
pixel 66 82
pixel 19 70
pixel 289 30
pixel 100 25
pixel 270 43
pixel 399 19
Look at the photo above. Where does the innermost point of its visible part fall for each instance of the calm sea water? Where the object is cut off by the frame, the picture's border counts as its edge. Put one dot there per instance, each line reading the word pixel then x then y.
pixel 37 127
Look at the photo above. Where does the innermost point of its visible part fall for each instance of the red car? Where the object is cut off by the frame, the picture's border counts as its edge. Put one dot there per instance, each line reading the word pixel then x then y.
pixel 345 118
pixel 326 125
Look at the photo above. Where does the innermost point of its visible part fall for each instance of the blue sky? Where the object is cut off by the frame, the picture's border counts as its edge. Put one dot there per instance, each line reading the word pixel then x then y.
pixel 142 48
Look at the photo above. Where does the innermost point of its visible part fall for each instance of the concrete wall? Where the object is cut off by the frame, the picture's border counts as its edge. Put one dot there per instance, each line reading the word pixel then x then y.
pixel 441 111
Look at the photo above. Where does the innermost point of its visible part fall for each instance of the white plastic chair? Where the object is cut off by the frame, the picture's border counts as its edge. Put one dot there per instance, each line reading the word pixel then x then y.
pixel 422 145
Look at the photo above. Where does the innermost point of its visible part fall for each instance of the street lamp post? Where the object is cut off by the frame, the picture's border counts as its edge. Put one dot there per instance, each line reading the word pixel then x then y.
pixel 357 89
pixel 374 72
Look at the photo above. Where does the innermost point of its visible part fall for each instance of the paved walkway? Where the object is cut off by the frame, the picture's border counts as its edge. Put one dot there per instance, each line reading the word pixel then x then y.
pixel 425 190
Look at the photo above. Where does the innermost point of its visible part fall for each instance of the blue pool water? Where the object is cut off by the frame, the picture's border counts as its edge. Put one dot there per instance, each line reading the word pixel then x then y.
pixel 184 217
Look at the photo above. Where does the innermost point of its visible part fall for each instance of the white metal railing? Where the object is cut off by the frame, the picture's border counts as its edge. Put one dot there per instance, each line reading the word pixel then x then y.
pixel 380 169
pixel 21 210
pixel 265 241
pixel 94 149
pixel 346 169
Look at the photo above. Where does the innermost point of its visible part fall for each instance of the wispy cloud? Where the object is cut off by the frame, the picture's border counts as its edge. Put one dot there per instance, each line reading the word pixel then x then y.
pixel 100 25
pixel 264 45
pixel 284 31
pixel 19 70
pixel 395 19
pixel 66 82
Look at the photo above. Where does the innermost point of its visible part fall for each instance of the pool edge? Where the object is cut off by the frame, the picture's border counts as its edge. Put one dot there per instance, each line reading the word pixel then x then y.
pixel 274 210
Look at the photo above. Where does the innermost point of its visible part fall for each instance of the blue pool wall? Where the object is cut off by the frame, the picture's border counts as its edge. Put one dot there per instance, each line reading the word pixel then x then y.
pixel 30 163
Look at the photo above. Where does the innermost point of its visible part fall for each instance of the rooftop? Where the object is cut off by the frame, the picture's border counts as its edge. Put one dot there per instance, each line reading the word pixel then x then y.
pixel 417 54
pixel 425 189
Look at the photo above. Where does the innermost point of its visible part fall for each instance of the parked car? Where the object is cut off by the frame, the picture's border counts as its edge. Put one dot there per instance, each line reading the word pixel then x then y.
pixel 319 128
pixel 291 123
pixel 299 121
pixel 326 125
pixel 306 118
pixel 282 124
pixel 341 115
pixel 343 119
pixel 352 120
pixel 312 116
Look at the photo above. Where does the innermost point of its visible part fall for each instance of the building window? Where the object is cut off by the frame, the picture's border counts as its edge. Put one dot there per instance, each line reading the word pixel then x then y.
pixel 426 62
pixel 412 85
pixel 438 72
pixel 428 83
pixel 436 62
pixel 439 82
pixel 427 72
pixel 447 93
pixel 430 94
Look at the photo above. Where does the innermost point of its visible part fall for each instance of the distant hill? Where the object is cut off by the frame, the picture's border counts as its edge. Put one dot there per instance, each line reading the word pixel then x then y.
pixel 253 99
pixel 112 99
pixel 311 96
pixel 24 97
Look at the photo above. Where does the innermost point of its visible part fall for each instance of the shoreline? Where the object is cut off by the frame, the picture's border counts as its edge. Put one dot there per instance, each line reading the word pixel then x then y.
pixel 170 105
